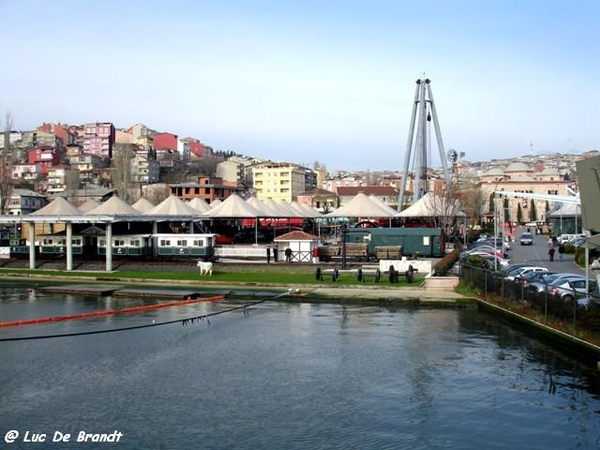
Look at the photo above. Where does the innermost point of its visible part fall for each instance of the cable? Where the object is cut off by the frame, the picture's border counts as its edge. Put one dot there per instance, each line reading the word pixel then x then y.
pixel 133 327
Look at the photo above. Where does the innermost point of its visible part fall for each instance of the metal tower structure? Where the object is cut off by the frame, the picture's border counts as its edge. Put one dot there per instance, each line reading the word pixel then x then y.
pixel 422 114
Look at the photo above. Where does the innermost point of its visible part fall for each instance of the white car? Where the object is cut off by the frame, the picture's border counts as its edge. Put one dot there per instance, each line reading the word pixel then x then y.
pixel 523 271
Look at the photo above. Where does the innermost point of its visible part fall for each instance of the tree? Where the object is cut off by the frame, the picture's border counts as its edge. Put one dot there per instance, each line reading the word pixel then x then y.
pixel 122 176
pixel 6 167
pixel 473 201
pixel 519 213
pixel 506 208
pixel 532 212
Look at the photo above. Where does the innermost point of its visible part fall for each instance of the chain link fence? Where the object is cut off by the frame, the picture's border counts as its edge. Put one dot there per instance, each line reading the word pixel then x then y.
pixel 571 310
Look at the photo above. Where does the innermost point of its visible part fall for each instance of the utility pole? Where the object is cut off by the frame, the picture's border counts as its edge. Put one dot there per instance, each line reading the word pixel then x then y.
pixel 423 110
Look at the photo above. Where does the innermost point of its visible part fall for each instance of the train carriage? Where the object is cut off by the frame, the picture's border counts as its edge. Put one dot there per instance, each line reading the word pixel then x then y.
pixel 201 246
pixel 127 245
pixel 19 248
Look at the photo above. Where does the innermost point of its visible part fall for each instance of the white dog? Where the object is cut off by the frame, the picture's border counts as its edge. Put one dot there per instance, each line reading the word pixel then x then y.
pixel 205 268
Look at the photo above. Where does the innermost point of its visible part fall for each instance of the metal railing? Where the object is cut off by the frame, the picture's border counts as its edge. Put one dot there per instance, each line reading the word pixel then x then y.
pixel 549 304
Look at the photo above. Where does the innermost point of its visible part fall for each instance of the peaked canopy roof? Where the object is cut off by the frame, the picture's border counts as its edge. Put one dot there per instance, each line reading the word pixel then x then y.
pixel 172 206
pixel 58 207
pixel 114 206
pixel 234 207
pixel 89 205
pixel 296 235
pixel 199 205
pixel 431 205
pixel 361 206
pixel 143 205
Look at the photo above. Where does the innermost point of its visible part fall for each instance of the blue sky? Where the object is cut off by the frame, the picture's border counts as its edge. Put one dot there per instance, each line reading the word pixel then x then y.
pixel 306 81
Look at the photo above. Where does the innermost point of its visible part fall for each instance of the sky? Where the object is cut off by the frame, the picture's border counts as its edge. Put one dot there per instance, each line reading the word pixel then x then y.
pixel 312 81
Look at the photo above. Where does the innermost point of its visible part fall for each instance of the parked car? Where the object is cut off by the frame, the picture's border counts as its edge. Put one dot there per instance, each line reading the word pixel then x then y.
pixel 224 240
pixel 526 239
pixel 481 249
pixel 496 261
pixel 532 277
pixel 552 280
pixel 577 241
pixel 524 270
pixel 574 288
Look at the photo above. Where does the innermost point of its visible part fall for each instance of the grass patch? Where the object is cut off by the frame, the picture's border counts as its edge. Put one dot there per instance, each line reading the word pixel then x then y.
pixel 221 274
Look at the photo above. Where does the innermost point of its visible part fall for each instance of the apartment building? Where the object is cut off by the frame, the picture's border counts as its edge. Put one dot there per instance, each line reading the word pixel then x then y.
pixel 279 181
pixel 99 139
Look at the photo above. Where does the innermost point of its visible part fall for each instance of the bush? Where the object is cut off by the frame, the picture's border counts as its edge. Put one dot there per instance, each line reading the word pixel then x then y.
pixel 443 266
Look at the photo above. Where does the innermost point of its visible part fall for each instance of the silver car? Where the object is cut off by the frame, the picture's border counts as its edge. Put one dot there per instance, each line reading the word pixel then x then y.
pixel 526 239
pixel 574 288
pixel 552 280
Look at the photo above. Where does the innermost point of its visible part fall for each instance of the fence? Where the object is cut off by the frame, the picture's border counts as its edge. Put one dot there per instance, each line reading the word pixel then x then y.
pixel 567 307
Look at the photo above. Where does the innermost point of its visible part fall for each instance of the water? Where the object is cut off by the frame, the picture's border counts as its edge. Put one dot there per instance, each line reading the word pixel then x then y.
pixel 292 376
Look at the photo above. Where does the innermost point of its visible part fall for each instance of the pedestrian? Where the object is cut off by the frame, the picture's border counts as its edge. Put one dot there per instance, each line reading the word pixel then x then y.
pixel 551 253
pixel 268 254
pixel 550 242
pixel 288 255
pixel 561 251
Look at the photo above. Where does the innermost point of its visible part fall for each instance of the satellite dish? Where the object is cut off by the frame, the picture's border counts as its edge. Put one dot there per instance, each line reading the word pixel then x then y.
pixel 452 155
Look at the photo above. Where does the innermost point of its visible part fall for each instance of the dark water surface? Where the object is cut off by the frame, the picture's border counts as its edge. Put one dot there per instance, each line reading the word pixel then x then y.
pixel 290 376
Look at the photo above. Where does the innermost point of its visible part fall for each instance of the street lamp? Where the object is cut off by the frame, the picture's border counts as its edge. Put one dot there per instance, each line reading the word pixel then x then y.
pixel 496 222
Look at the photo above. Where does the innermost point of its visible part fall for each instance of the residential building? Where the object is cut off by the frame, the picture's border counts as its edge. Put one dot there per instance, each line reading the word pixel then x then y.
pixel 99 139
pixel 62 132
pixel 45 156
pixel 206 188
pixel 25 201
pixel 58 178
pixel 144 170
pixel 165 142
pixel 320 199
pixel 86 164
pixel 27 172
pixel 279 181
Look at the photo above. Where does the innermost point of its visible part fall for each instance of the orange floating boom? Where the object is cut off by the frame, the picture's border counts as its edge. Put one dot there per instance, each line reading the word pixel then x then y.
pixel 109 312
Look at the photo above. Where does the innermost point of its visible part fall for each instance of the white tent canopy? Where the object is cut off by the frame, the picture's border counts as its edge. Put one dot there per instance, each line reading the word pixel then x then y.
pixel 114 206
pixel 172 206
pixel 361 206
pixel 143 205
pixel 234 207
pixel 199 204
pixel 58 207
pixel 431 205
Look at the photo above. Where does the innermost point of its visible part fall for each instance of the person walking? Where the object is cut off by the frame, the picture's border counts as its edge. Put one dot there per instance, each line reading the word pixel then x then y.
pixel 550 242
pixel 268 254
pixel 288 255
pixel 551 253
pixel 561 251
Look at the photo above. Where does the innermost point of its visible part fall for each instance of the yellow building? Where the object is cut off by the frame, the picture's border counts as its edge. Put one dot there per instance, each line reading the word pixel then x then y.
pixel 278 181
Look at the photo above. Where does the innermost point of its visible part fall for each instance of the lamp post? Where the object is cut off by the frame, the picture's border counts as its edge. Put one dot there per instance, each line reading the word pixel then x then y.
pixel 496 221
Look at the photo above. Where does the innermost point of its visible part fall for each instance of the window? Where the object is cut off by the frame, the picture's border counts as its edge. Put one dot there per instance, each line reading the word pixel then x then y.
pixel 134 242
pixel 165 242
pixel 181 243
pixel 198 243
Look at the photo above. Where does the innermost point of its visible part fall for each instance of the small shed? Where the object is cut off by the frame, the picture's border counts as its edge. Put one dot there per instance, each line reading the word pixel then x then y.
pixel 301 244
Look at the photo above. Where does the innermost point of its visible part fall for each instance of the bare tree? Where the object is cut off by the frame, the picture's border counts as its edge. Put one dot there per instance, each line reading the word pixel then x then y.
pixel 445 211
pixel 6 167
pixel 71 184
pixel 122 176
pixel 473 202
